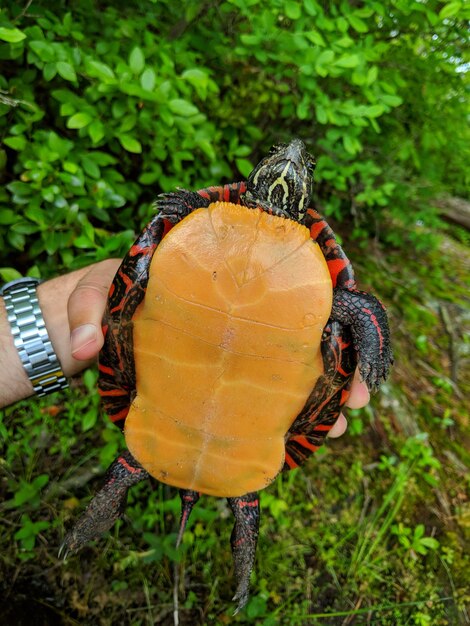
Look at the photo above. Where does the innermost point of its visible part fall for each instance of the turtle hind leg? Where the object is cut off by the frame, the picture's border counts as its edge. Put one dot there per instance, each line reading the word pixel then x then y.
pixel 243 541
pixel 107 505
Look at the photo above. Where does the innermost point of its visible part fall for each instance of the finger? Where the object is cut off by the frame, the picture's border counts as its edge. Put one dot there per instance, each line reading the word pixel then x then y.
pixel 86 307
pixel 339 427
pixel 359 395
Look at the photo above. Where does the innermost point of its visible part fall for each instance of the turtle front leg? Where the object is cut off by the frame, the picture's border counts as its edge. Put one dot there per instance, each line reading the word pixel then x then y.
pixel 176 205
pixel 366 316
pixel 243 541
pixel 107 505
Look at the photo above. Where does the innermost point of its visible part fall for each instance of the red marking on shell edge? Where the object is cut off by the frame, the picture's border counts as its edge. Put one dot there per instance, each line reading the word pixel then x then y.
pixel 105 369
pixel 111 289
pixel 305 443
pixel 323 427
pixel 315 214
pixel 290 462
pixel 345 393
pixel 120 415
pixel 315 229
pixel 335 266
pixel 204 194
pixel 167 227
pixel 128 467
pixel 112 392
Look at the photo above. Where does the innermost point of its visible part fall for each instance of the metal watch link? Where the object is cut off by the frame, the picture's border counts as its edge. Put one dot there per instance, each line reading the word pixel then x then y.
pixel 30 336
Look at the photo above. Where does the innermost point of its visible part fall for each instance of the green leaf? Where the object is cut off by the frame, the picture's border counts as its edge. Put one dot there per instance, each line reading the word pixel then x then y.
pixel 79 120
pixel 321 114
pixel 244 166
pixel 148 79
pixel 136 60
pixel 8 216
pixel 375 110
pixel 9 273
pixel 348 61
pixel 43 49
pixel 391 100
pixel 11 35
pixel 359 25
pixel 100 70
pixel 16 143
pixel 178 106
pixel 148 178
pixel 450 9
pixel 89 419
pixel 323 60
pixel 372 74
pixel 195 76
pixel 130 144
pixel 49 71
pixel 292 10
pixel 66 71
pixel 315 37
pixel 311 7
pixel 96 131
pixel 351 144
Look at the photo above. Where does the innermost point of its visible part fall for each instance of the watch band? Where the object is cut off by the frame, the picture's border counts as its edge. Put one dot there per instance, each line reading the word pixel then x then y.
pixel 30 336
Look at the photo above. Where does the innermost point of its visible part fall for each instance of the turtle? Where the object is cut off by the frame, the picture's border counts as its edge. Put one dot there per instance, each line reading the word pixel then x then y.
pixel 232 332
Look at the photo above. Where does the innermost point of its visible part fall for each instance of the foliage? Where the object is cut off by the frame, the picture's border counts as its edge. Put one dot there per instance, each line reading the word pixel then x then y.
pixel 98 116
pixel 372 530
pixel 104 105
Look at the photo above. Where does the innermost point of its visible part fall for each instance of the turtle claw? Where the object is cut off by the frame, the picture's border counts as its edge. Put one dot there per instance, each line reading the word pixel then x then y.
pixel 107 505
pixel 176 205
pixel 242 597
pixel 63 551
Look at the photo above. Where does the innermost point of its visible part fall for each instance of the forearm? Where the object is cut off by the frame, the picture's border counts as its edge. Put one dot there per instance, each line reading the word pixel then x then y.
pixel 53 297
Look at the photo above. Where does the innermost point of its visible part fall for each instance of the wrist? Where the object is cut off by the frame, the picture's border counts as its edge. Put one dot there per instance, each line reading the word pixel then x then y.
pixel 52 297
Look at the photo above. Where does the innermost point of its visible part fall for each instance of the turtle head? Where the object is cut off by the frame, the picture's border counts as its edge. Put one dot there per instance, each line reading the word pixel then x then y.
pixel 282 182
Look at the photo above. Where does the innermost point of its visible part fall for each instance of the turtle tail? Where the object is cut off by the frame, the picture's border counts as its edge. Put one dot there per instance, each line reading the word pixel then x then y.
pixel 188 500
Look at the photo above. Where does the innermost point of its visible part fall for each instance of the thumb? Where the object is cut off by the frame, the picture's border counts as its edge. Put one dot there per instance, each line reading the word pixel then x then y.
pixel 86 306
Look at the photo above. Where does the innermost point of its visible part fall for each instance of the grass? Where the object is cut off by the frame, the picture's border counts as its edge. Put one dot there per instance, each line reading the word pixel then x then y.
pixel 374 530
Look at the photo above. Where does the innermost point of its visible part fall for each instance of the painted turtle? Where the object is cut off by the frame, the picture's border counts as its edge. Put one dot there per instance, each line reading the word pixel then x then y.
pixel 231 340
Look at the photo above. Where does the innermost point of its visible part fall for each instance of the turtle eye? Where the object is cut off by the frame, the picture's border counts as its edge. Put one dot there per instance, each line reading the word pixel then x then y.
pixel 311 163
pixel 277 148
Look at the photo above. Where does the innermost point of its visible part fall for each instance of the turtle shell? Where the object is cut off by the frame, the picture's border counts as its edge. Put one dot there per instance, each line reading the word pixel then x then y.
pixel 226 348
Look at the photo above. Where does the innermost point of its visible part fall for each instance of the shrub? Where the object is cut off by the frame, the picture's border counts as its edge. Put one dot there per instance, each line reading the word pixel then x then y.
pixel 104 105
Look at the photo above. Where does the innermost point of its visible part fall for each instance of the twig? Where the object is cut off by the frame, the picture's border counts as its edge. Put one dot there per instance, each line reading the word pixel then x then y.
pixel 176 617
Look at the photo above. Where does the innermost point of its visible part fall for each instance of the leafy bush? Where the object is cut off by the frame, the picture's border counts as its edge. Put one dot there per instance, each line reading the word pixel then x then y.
pixel 104 105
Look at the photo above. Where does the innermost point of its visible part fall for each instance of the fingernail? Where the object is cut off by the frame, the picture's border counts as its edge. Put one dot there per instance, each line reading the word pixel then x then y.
pixel 82 336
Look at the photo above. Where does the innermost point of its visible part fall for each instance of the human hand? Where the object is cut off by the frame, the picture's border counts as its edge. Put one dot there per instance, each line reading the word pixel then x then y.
pixel 86 306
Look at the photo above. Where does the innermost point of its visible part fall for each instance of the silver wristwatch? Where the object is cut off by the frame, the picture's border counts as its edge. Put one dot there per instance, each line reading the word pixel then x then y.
pixel 30 336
